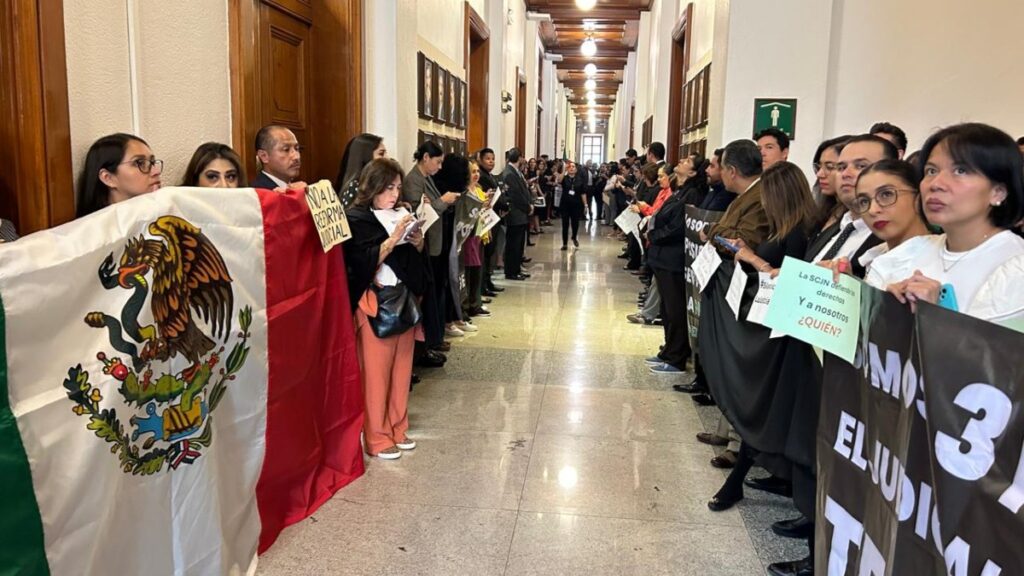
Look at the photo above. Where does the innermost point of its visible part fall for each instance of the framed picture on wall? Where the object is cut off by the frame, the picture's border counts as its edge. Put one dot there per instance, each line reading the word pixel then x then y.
pixel 441 93
pixel 698 99
pixel 463 116
pixel 457 102
pixel 425 74
pixel 454 108
pixel 706 73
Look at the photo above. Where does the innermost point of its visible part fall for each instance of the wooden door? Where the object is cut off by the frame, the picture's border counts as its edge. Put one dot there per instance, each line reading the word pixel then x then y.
pixel 520 113
pixel 277 79
pixel 478 55
pixel 36 189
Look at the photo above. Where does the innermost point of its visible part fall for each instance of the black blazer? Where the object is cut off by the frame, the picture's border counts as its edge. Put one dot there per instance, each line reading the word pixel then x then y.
pixel 667 236
pixel 363 250
pixel 263 181
pixel 577 184
pixel 518 197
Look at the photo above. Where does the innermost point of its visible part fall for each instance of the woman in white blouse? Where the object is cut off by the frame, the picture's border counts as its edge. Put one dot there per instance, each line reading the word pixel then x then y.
pixel 973 188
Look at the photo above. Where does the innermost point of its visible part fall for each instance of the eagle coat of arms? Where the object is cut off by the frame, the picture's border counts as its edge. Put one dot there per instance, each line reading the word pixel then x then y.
pixel 187 280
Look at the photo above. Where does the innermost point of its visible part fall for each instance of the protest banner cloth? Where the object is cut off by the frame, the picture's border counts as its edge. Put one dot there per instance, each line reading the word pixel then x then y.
pixel 807 305
pixel 919 446
pixel 696 220
pixel 126 448
pixel 328 214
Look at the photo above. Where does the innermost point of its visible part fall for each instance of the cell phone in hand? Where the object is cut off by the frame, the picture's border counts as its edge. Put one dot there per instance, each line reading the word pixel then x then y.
pixel 726 244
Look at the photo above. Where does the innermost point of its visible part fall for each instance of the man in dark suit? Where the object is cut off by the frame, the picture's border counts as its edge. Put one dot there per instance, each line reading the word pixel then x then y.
pixel 278 157
pixel 518 218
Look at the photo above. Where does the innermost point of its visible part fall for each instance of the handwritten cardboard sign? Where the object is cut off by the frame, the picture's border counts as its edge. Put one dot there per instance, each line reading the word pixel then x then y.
pixel 328 214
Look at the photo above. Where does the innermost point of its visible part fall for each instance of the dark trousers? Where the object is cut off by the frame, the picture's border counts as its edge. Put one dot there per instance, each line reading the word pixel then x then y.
pixel 599 209
pixel 490 257
pixel 634 253
pixel 474 283
pixel 672 287
pixel 515 246
pixel 570 217
pixel 435 302
pixel 733 487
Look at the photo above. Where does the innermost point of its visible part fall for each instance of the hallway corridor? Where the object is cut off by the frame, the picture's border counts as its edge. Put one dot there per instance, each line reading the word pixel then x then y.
pixel 545 447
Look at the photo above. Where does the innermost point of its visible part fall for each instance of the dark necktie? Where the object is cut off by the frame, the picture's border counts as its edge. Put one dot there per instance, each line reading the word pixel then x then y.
pixel 840 240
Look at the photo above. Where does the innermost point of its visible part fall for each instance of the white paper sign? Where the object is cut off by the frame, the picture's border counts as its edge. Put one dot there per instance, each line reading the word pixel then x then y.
pixel 328 214
pixel 705 265
pixel 759 309
pixel 488 219
pixel 736 287
pixel 494 199
pixel 628 222
pixel 426 213
pixel 390 219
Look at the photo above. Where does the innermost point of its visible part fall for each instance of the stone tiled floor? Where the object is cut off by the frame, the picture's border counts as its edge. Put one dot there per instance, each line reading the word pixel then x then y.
pixel 545 447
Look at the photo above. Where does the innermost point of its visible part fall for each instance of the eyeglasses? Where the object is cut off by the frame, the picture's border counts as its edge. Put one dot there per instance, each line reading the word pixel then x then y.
pixel 828 167
pixel 883 197
pixel 145 165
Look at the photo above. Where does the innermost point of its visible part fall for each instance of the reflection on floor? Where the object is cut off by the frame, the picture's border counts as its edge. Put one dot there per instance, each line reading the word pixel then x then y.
pixel 545 447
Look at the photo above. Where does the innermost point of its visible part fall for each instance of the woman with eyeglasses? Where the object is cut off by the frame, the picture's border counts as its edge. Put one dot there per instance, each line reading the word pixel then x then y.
pixel 973 188
pixel 830 210
pixel 118 167
pixel 887 201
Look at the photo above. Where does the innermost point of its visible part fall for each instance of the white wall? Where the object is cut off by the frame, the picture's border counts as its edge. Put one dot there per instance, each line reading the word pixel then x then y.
pixel 796 67
pixel 549 101
pixel 924 64
pixel 182 83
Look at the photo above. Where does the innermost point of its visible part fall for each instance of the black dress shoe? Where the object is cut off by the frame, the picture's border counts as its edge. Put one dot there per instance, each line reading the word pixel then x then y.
pixel 724 461
pixel 564 247
pixel 486 300
pixel 575 242
pixel 518 278
pixel 803 567
pixel 489 294
pixel 703 399
pixel 496 289
pixel 721 503
pixel 772 484
pixel 712 440
pixel 799 527
pixel 431 360
pixel 527 260
pixel 692 388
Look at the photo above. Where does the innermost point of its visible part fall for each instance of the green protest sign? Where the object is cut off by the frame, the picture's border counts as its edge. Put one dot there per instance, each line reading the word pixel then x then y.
pixel 808 306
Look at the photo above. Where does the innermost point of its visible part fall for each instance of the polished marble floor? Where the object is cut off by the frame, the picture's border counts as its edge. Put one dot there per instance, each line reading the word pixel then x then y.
pixel 545 447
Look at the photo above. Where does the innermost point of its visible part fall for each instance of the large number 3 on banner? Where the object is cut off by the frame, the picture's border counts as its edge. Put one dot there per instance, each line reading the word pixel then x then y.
pixel 992 408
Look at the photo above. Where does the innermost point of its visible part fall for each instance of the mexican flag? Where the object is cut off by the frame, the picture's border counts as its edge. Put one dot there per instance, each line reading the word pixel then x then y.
pixel 178 383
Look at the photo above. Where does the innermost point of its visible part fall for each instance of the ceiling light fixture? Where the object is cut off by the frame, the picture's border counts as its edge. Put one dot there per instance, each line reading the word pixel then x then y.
pixel 590 84
pixel 585 4
pixel 591 95
pixel 590 69
pixel 589 47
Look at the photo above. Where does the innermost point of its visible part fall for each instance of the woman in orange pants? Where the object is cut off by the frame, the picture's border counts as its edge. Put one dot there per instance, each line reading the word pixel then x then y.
pixel 380 256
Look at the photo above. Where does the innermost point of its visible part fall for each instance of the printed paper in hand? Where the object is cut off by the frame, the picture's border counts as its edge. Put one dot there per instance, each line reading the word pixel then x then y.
pixel 629 222
pixel 736 287
pixel 328 214
pixel 390 218
pixel 427 213
pixel 706 264
pixel 759 309
pixel 494 199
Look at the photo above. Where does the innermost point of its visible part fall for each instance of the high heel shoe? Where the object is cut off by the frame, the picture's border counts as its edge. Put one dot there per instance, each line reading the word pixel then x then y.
pixel 722 502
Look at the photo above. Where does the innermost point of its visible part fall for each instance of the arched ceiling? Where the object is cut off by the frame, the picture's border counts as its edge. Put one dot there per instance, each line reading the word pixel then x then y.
pixel 613 24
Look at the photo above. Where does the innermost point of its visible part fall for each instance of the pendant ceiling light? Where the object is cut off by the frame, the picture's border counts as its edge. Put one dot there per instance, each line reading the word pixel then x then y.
pixel 589 47
pixel 591 95
pixel 590 84
pixel 585 4
pixel 590 69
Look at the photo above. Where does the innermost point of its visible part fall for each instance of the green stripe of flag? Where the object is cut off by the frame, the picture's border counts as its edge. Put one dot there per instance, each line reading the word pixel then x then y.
pixel 22 549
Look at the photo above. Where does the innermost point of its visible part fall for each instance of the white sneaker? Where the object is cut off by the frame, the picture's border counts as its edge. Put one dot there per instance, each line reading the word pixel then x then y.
pixel 467 327
pixel 406 444
pixel 391 453
pixel 453 331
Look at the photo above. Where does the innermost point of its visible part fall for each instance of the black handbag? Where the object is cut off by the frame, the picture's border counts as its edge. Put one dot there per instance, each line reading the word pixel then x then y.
pixel 397 310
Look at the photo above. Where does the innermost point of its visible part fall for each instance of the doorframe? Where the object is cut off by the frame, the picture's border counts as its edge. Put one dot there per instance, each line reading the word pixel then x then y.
pixel 680 66
pixel 476 31
pixel 520 111
pixel 36 176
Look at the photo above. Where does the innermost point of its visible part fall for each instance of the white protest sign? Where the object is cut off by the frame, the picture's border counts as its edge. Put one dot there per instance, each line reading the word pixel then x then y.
pixel 488 219
pixel 705 265
pixel 328 214
pixel 629 222
pixel 759 309
pixel 426 213
pixel 735 292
